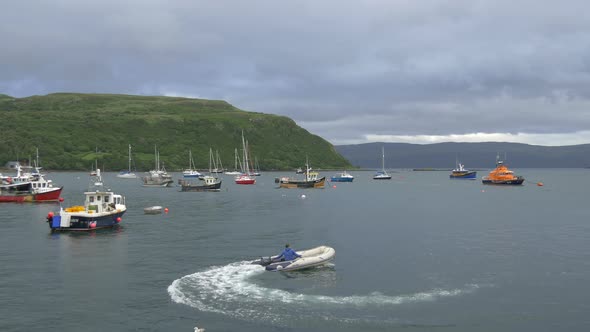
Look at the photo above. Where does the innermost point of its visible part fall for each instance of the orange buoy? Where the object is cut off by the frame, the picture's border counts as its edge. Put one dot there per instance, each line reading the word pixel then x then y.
pixel 334 186
pixel 540 184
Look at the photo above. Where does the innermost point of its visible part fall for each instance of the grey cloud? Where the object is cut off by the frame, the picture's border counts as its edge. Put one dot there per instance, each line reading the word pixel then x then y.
pixel 343 69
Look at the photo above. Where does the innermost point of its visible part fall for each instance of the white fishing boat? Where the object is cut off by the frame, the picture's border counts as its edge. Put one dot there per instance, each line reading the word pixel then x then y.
pixel 309 258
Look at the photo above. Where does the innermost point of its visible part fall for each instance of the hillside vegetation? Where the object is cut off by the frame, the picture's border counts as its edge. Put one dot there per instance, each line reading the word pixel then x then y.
pixel 68 129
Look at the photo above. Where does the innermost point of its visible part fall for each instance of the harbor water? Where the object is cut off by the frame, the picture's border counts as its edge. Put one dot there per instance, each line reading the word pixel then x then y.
pixel 420 252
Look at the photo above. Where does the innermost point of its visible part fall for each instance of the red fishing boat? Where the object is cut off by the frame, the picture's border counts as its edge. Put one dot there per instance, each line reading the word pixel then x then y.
pixel 29 185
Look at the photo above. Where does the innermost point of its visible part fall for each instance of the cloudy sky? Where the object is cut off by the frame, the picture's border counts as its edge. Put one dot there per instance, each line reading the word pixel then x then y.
pixel 349 71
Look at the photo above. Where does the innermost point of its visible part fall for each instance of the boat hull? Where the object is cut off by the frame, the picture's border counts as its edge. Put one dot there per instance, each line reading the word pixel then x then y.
pixel 382 177
pixel 193 187
pixel 341 179
pixel 514 182
pixel 463 175
pixel 291 184
pixel 245 180
pixel 27 196
pixel 153 210
pixel 85 222
pixel 167 183
pixel 127 176
pixel 309 258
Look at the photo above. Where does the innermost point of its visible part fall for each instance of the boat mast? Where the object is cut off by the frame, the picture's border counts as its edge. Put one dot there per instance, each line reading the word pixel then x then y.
pixel 156 154
pixel 306 168
pixel 210 159
pixel 129 158
pixel 245 161
pixel 383 158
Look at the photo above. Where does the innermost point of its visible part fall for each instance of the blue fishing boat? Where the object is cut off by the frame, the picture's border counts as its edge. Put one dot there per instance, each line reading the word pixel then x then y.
pixel 342 177
pixel 461 173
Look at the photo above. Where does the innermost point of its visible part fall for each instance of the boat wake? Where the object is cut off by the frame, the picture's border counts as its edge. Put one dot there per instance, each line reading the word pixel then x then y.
pixel 230 290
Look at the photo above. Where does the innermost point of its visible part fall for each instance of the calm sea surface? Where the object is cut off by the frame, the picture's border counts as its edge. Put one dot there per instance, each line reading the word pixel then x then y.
pixel 417 253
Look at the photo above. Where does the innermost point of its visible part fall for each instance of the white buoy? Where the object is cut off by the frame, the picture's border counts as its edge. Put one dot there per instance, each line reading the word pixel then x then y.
pixel 303 196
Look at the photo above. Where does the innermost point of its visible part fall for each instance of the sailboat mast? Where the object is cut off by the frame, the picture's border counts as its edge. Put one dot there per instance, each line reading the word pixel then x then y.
pixel 246 169
pixel 129 159
pixel 383 158
pixel 156 156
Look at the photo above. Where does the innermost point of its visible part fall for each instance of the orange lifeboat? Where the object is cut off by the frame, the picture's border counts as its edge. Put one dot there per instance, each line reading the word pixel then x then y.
pixel 502 175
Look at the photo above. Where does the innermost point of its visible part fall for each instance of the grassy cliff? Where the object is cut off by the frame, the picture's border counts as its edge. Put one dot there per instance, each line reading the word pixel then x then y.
pixel 68 128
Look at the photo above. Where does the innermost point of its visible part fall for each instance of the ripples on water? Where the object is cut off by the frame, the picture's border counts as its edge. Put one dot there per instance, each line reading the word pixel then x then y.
pixel 419 252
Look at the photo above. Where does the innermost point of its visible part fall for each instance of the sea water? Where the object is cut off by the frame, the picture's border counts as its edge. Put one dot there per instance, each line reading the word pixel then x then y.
pixel 420 252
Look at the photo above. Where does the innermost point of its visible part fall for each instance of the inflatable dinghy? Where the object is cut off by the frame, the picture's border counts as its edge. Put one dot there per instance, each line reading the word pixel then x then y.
pixel 309 258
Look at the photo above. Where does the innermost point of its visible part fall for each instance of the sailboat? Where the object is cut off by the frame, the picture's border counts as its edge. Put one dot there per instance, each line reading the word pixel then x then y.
pixel 236 161
pixel 211 183
pixel 245 178
pixel 256 170
pixel 158 177
pixel 191 171
pixel 382 174
pixel 128 174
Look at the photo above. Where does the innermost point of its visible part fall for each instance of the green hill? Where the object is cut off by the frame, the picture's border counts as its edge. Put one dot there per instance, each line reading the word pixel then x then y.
pixel 69 127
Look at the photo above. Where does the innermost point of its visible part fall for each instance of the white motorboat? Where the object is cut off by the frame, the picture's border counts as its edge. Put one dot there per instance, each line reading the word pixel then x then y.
pixel 309 258
pixel 153 209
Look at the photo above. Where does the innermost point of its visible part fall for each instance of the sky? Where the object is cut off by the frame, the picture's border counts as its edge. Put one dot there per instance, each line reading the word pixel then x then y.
pixel 350 71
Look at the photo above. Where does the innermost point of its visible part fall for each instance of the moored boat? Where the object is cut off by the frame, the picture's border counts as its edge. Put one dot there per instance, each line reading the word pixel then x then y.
pixel 210 183
pixel 191 171
pixel 157 177
pixel 128 174
pixel 501 175
pixel 246 177
pixel 311 180
pixel 156 209
pixel 309 258
pixel 101 209
pixel 382 175
pixel 342 177
pixel 28 185
pixel 461 173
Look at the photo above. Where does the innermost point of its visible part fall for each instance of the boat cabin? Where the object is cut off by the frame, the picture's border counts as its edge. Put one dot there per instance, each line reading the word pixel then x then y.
pixel 101 201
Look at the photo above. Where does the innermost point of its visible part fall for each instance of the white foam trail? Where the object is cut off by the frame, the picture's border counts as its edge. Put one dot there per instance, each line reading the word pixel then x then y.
pixel 227 290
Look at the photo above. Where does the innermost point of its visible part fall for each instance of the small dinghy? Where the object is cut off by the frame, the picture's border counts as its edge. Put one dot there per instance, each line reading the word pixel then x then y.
pixel 309 258
pixel 153 210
